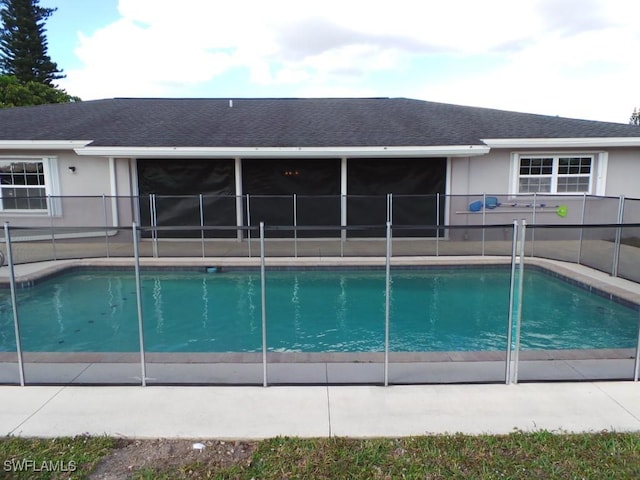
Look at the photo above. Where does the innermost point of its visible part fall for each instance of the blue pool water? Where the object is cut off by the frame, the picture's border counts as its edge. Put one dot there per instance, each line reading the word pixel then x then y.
pixel 344 311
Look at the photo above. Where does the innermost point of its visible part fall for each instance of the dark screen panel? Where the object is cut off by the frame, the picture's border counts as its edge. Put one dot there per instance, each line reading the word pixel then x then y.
pixel 409 180
pixel 177 183
pixel 271 185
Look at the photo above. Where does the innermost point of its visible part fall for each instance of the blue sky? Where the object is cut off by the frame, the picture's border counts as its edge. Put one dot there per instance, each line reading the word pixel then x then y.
pixel 573 58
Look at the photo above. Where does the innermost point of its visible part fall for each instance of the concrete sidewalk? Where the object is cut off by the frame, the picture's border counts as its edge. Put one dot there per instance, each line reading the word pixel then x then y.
pixel 355 411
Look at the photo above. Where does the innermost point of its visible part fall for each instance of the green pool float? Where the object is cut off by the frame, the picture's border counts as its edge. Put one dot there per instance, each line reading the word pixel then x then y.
pixel 562 211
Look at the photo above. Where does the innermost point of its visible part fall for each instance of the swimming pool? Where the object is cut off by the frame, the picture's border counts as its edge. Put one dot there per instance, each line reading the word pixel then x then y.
pixel 310 311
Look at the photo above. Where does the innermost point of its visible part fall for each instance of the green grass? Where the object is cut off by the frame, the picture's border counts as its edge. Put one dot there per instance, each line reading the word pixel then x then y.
pixel 540 455
pixel 78 455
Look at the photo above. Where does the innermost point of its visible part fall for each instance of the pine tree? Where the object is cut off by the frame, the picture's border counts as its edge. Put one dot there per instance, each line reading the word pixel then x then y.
pixel 23 44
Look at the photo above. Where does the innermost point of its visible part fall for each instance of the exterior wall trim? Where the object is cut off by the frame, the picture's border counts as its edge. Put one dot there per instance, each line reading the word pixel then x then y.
pixel 43 144
pixel 591 142
pixel 286 152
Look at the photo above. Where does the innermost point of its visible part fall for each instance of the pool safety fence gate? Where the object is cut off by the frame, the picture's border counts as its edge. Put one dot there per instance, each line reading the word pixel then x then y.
pixel 397 367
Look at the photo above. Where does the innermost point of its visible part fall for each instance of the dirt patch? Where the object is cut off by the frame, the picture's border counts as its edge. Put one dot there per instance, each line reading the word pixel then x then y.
pixel 134 455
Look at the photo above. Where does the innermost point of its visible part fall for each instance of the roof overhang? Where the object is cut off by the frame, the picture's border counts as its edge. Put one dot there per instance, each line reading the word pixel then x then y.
pixel 591 142
pixel 285 152
pixel 43 144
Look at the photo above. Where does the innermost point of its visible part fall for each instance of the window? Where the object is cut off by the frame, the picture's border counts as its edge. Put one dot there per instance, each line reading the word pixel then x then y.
pixel 25 184
pixel 555 174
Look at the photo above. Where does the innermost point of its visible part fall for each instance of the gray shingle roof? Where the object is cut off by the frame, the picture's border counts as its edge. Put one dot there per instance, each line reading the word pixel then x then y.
pixel 293 122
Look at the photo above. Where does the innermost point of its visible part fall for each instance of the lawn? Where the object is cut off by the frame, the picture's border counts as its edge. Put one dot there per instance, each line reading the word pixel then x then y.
pixel 539 455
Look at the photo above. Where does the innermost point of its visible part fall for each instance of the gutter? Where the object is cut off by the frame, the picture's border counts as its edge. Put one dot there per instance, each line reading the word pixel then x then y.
pixel 286 152
pixel 590 142
pixel 43 144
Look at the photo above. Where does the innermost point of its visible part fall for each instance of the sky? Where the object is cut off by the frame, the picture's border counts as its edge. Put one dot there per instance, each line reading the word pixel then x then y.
pixel 571 58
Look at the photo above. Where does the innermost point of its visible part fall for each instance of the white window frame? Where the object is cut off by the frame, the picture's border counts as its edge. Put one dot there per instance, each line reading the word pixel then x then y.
pixel 596 175
pixel 51 185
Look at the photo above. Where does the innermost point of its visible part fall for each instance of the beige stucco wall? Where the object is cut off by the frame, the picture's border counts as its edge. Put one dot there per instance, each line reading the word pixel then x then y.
pixel 623 175
pixel 125 206
pixel 484 174
pixel 91 177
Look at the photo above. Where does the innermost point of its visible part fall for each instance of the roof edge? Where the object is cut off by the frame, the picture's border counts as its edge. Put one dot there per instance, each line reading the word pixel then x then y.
pixel 43 144
pixel 286 152
pixel 588 142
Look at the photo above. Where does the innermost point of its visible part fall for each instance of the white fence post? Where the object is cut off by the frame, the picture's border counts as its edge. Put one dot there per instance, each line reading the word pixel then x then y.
pixel 143 363
pixel 387 305
pixel 520 291
pixel 14 302
pixel 263 295
pixel 514 245
pixel 616 250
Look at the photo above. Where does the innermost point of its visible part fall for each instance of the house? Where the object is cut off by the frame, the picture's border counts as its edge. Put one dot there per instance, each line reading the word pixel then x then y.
pixel 186 161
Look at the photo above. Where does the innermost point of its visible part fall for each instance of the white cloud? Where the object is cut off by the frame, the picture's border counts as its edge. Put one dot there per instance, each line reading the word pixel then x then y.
pixel 588 75
pixel 570 57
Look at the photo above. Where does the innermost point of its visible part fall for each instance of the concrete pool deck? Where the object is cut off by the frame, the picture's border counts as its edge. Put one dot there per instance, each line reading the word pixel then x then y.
pixel 318 411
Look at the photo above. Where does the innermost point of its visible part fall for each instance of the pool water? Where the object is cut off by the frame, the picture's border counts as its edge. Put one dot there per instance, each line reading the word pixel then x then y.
pixel 310 311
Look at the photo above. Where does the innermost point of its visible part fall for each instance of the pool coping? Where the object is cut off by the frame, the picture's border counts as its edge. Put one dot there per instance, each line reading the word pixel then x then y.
pixel 315 357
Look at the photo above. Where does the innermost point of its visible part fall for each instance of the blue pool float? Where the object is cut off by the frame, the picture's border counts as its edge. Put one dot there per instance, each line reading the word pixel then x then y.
pixel 475 206
pixel 491 202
